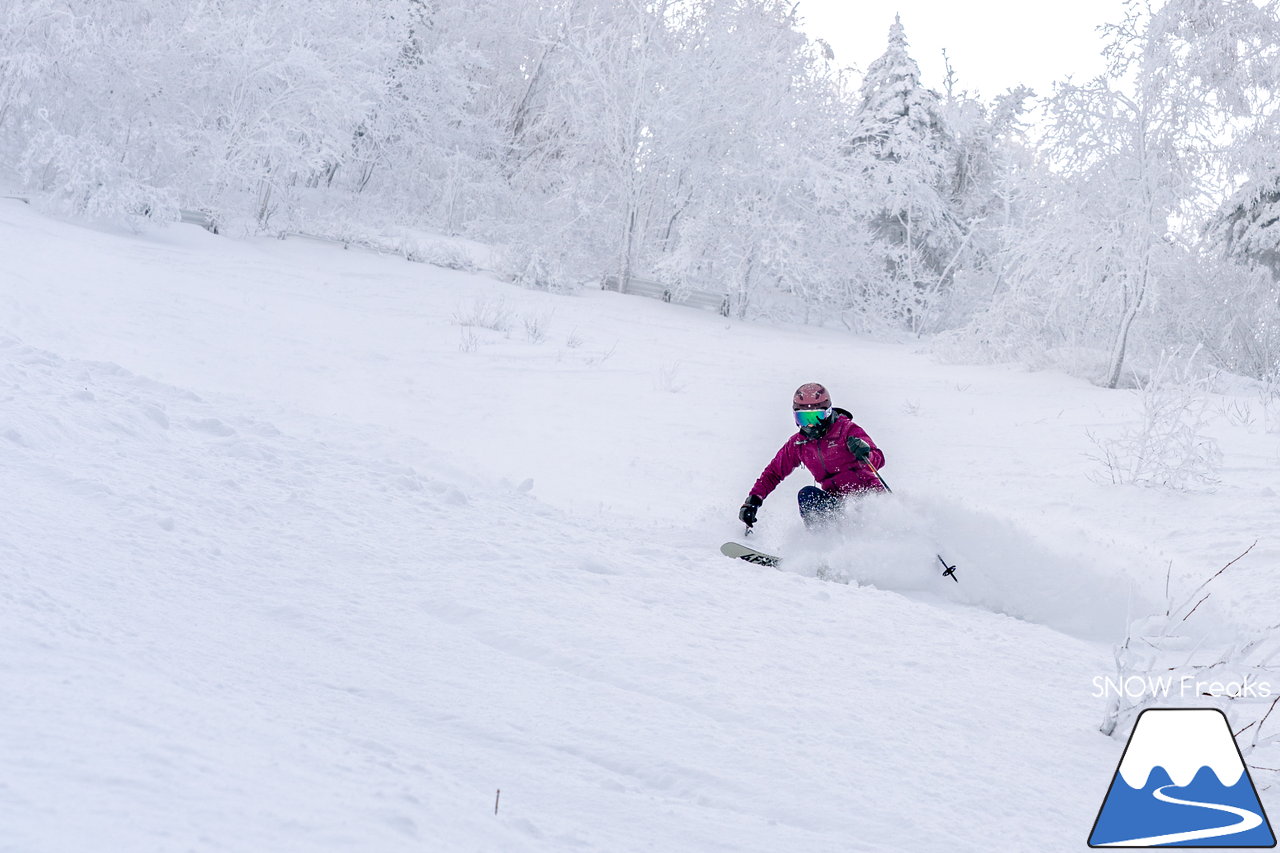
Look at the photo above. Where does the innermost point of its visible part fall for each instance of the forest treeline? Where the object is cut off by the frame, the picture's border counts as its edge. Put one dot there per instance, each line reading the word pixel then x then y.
pixel 709 144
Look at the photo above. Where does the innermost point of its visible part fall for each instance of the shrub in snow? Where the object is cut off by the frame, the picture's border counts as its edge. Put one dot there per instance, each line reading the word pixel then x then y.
pixel 538 273
pixel 83 177
pixel 1270 399
pixel 535 327
pixel 668 378
pixel 1168 445
pixel 440 254
pixel 1167 659
pixel 485 312
pixel 468 340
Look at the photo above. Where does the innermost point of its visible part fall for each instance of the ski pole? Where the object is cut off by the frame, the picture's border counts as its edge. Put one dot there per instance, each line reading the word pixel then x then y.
pixel 867 462
pixel 949 571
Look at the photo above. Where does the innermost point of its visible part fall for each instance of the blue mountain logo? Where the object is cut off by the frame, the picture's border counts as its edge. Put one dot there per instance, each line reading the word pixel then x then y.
pixel 1182 783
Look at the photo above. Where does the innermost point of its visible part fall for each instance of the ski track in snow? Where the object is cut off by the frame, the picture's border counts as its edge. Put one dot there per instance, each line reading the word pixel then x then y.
pixel 265 585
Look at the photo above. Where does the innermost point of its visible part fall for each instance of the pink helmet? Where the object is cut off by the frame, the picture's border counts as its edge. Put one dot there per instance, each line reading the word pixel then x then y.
pixel 811 395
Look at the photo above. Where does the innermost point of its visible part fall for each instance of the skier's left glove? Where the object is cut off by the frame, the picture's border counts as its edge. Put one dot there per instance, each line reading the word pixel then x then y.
pixel 747 514
pixel 859 448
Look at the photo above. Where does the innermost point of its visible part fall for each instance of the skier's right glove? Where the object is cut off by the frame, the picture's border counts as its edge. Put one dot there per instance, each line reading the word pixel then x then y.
pixel 747 515
pixel 859 448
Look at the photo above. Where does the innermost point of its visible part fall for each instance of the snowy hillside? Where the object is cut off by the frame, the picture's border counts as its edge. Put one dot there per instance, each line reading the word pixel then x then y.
pixel 299 554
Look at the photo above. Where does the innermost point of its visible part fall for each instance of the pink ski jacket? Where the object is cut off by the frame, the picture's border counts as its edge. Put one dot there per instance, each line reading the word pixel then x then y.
pixel 827 458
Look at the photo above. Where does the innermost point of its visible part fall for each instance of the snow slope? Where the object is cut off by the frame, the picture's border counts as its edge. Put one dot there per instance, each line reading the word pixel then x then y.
pixel 292 560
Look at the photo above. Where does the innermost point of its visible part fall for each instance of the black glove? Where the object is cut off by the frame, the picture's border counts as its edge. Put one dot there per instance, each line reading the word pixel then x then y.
pixel 747 515
pixel 859 448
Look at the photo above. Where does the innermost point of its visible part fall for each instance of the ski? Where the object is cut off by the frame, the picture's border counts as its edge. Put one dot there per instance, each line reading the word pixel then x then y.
pixel 760 558
pixel 751 555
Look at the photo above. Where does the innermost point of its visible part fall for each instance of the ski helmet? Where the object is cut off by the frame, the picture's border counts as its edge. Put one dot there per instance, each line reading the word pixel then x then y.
pixel 811 406
pixel 811 395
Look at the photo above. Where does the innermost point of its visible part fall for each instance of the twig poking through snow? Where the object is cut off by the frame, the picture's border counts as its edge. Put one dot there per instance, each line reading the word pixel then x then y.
pixel 1210 580
pixel 1167 572
pixel 1264 720
pixel 1193 610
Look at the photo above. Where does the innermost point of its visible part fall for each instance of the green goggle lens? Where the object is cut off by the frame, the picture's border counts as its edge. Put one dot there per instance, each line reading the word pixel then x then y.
pixel 811 417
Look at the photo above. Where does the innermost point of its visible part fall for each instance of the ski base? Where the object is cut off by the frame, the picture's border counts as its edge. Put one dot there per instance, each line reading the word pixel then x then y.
pixel 751 555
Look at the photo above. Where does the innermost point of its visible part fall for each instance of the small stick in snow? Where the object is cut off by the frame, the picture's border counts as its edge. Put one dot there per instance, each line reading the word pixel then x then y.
pixel 1261 722
pixel 1198 603
pixel 496 797
pixel 1168 602
pixel 1224 568
pixel 1269 710
pixel 1228 565
pixel 1210 580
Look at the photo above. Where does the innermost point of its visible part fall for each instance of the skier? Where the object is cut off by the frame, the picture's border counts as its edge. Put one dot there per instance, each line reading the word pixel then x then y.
pixel 834 449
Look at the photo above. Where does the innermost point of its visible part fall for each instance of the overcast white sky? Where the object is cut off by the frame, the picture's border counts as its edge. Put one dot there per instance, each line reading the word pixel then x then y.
pixel 993 44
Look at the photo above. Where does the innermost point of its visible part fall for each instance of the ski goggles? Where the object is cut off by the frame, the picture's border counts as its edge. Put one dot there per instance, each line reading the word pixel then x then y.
pixel 811 417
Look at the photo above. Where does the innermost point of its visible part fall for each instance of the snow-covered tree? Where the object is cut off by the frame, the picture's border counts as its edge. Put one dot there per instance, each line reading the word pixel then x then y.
pixel 708 143
pixel 902 144
pixel 741 154
pixel 232 105
pixel 990 155
pixel 429 147
pixel 1133 156
pixel 1249 225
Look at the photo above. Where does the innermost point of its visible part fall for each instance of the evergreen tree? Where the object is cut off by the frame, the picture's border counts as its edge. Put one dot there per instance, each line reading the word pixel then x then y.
pixel 1249 225
pixel 902 142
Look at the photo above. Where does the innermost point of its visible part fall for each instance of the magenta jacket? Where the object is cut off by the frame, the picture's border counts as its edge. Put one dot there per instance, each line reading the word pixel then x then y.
pixel 827 458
